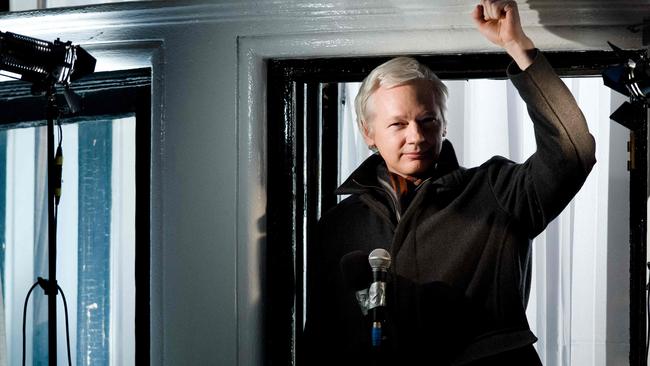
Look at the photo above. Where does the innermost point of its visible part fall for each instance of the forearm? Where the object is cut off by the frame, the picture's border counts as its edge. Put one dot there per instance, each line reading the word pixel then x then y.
pixel 561 130
pixel 522 52
pixel 536 191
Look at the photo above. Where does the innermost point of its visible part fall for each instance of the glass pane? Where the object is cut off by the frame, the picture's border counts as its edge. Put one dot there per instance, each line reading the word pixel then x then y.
pixel 95 242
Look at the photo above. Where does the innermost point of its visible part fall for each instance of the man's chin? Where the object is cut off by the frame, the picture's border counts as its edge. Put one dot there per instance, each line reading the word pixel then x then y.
pixel 418 169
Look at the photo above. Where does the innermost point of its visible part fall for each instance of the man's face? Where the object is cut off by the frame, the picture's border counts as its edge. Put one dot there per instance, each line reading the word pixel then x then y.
pixel 406 127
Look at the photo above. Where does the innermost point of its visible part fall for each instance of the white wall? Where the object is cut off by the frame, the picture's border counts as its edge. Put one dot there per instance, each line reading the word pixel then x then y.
pixel 208 134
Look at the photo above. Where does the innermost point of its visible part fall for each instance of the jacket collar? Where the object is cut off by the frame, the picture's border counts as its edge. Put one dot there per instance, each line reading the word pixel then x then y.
pixel 365 176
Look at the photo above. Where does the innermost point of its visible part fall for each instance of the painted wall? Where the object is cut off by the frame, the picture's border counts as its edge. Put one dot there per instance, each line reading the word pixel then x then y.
pixel 208 135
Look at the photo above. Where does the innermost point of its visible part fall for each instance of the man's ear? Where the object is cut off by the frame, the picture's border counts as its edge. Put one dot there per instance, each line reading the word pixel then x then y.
pixel 368 135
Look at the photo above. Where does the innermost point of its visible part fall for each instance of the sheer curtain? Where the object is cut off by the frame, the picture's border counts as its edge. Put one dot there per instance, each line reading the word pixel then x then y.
pixel 569 307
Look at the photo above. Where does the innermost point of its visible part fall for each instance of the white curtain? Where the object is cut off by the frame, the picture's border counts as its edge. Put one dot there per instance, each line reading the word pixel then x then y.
pixel 19 241
pixel 122 315
pixel 572 288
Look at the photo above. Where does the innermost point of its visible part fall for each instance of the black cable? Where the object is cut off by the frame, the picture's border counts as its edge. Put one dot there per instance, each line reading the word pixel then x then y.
pixel 29 293
pixel 43 283
pixel 67 328
pixel 647 330
pixel 58 166
pixel 58 124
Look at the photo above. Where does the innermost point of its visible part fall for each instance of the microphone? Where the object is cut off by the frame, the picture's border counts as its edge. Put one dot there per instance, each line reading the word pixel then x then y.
pixel 379 260
pixel 358 276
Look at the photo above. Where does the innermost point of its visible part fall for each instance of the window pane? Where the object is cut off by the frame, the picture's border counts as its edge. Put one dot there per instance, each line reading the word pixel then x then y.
pixel 95 242
pixel 94 239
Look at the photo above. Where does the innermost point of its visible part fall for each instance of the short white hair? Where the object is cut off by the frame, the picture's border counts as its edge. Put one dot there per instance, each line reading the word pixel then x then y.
pixel 395 72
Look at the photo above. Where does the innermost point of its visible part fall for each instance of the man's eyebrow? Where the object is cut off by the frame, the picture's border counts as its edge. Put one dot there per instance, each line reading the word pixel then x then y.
pixel 424 114
pixel 395 116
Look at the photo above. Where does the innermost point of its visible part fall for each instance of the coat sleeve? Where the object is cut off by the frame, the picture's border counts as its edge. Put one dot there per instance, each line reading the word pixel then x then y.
pixel 536 191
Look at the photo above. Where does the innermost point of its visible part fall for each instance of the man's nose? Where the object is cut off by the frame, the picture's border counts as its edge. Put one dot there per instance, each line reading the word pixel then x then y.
pixel 414 133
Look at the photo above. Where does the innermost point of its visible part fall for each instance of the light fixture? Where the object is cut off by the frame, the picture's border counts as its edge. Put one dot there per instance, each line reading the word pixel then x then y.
pixel 43 63
pixel 631 78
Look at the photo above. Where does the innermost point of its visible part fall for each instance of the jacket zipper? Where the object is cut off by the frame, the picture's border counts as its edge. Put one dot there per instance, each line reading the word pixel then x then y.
pixel 392 199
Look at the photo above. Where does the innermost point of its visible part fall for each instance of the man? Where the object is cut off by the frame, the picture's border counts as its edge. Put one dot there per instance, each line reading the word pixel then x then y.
pixel 459 238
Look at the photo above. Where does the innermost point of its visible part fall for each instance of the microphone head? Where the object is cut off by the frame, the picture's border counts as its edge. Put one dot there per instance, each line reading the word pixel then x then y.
pixel 356 271
pixel 379 260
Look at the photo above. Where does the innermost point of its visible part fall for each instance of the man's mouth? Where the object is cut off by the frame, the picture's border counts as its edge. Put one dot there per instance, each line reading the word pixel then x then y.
pixel 417 155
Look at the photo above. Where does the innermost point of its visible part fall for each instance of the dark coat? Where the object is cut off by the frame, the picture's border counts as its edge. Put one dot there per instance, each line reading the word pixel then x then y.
pixel 460 276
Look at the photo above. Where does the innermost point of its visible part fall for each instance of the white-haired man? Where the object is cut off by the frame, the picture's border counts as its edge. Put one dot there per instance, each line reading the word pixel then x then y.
pixel 459 238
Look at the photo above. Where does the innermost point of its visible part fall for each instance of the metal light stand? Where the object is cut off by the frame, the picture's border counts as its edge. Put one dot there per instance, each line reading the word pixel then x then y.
pixel 630 79
pixel 51 291
pixel 45 64
pixel 634 116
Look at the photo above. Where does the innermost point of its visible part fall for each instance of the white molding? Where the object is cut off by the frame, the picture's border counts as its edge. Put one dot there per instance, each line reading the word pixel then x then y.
pixel 251 202
pixel 278 17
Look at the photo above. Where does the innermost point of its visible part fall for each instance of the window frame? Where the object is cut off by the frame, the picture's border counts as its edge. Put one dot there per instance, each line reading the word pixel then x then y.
pixel 129 92
pixel 301 121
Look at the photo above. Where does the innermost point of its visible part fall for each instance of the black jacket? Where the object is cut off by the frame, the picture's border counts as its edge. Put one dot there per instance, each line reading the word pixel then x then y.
pixel 460 276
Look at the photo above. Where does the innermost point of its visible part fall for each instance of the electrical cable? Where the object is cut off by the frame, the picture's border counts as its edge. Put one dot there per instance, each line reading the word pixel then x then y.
pixel 647 314
pixel 44 283
pixel 58 166
pixel 58 124
pixel 29 293
pixel 67 328
pixel 65 302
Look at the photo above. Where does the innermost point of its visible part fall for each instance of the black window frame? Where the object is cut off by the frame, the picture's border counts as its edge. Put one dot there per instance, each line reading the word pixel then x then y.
pixel 106 94
pixel 302 166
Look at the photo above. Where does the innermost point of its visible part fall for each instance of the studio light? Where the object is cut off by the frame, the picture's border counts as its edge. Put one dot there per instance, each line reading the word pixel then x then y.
pixel 631 78
pixel 630 114
pixel 43 63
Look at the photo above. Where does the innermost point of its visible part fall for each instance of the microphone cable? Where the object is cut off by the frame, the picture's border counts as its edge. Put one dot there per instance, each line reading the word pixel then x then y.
pixel 29 293
pixel 44 283
pixel 67 328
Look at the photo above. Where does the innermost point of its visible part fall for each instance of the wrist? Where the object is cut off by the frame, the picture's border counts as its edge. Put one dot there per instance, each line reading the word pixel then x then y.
pixel 522 51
